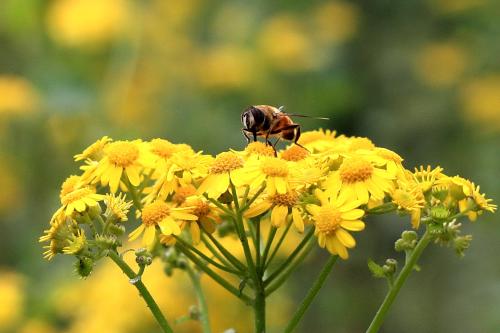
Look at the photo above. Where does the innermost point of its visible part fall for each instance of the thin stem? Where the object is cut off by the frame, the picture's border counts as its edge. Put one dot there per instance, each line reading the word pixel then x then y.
pixel 143 291
pixel 219 279
pixel 219 205
pixel 311 294
pixel 236 263
pixel 269 242
pixel 285 274
pixel 398 283
pixel 133 192
pixel 278 245
pixel 288 260
pixel 216 253
pixel 257 247
pixel 202 303
pixel 255 196
pixel 205 257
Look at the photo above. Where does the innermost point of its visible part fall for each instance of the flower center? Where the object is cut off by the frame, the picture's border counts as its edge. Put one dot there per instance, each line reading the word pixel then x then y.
pixel 69 185
pixel 122 153
pixel 361 143
pixel 294 153
pixel 355 170
pixel 275 168
pixel 225 162
pixel 76 195
pixel 328 220
pixel 182 193
pixel 163 148
pixel 155 212
pixel 260 149
pixel 201 209
pixel 288 199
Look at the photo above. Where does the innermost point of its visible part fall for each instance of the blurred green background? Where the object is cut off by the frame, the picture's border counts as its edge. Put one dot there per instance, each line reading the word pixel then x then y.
pixel 421 77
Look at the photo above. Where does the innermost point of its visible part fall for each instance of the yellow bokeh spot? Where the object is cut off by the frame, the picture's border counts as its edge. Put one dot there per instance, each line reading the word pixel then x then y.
pixel 336 22
pixel 18 96
pixel 11 291
pixel 440 64
pixel 83 22
pixel 481 101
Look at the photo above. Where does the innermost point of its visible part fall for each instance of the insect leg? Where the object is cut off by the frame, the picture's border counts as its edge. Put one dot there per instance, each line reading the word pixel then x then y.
pixel 246 135
pixel 297 136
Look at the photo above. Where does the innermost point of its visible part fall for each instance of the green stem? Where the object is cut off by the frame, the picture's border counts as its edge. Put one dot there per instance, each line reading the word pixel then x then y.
pixel 236 263
pixel 398 283
pixel 143 291
pixel 202 303
pixel 255 196
pixel 216 253
pixel 278 245
pixel 259 307
pixel 292 256
pixel 283 277
pixel 311 294
pixel 269 242
pixel 217 278
pixel 133 192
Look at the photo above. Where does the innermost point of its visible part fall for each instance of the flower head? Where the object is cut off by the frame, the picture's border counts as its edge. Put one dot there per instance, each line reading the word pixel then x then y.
pixel 95 151
pixel 117 207
pixel 220 174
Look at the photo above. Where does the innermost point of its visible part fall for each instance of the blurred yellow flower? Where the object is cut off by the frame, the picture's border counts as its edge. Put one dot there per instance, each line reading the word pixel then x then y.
pixel 452 6
pixel 86 22
pixel 18 96
pixel 12 194
pixel 12 296
pixel 285 43
pixel 335 21
pixel 481 101
pixel 440 64
pixel 36 326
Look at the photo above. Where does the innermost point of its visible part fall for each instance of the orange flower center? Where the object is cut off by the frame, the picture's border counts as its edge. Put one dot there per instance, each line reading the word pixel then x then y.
pixel 201 208
pixel 163 148
pixel 275 168
pixel 182 193
pixel 76 195
pixel 154 213
pixel 288 199
pixel 355 170
pixel 225 162
pixel 122 153
pixel 328 220
pixel 294 153
pixel 260 149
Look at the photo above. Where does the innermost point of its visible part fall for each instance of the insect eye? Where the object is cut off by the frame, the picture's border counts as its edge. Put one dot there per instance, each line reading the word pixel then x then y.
pixel 247 120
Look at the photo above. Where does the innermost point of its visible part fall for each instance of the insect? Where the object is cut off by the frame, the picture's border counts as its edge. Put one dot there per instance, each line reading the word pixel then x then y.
pixel 268 121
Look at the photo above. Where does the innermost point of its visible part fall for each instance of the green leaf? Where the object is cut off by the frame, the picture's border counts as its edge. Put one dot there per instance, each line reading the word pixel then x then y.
pixel 376 269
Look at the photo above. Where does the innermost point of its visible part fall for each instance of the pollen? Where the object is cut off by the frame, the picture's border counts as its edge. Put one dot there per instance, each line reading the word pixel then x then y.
pixel 76 195
pixel 259 148
pixel 163 148
pixel 201 208
pixel 225 162
pixel 122 153
pixel 154 213
pixel 288 199
pixel 70 184
pixel 328 220
pixel 294 153
pixel 355 170
pixel 275 168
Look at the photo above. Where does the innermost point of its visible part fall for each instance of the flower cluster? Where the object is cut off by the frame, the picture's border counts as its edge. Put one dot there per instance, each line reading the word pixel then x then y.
pixel 327 188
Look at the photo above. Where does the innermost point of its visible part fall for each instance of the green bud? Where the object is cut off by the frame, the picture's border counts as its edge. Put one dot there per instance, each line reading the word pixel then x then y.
pixel 390 267
pixel 376 270
pixel 407 242
pixel 95 211
pixel 143 257
pixel 457 192
pixel 182 263
pixel 440 193
pixel 84 266
pixel 168 269
pixel 116 229
pixel 440 213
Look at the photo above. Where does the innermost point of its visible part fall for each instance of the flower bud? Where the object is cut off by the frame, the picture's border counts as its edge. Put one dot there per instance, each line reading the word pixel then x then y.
pixel 440 213
pixel 116 229
pixel 461 244
pixel 84 266
pixel 194 312
pixel 390 267
pixel 407 242
pixel 106 242
pixel 225 198
pixel 94 211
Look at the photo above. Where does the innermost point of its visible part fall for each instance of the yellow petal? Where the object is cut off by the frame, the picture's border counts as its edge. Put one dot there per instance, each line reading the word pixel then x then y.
pixel 281 185
pixel 136 233
pixel 361 192
pixel 353 225
pixel 165 227
pixel 345 238
pixel 352 214
pixel 278 215
pixel 133 175
pixel 183 216
pixel 149 236
pixel 298 222
pixel 79 205
pixel 258 209
pixel 195 232
pixel 114 180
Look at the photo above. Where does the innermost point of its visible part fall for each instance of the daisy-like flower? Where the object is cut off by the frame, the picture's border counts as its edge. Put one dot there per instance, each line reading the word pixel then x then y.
pixel 76 243
pixel 121 157
pixel 76 198
pixel 408 196
pixel 164 216
pixel 117 207
pixel 257 148
pixel 336 214
pixel 318 141
pixel 208 216
pixel 220 174
pixel 360 179
pixel 162 151
pixel 95 151
pixel 58 234
pixel 294 154
pixel 426 176
pixel 385 158
pixel 277 174
pixel 282 206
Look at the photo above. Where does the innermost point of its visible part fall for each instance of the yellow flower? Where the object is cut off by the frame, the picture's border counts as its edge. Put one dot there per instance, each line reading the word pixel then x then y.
pixel 220 174
pixel 426 176
pixel 13 300
pixel 121 158
pixel 182 193
pixel 277 174
pixel 57 235
pixel 360 180
pixel 408 196
pixel 117 207
pixel 336 214
pixel 95 151
pixel 383 157
pixel 164 216
pixel 18 96
pixel 281 206
pixel 207 216
pixel 80 199
pixel 294 154
pixel 318 141
pixel 76 243
pixel 259 149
